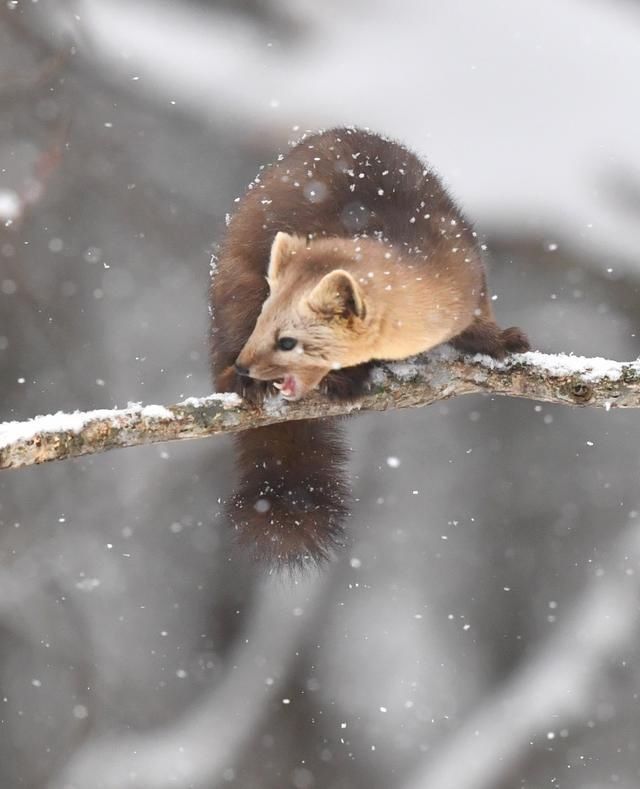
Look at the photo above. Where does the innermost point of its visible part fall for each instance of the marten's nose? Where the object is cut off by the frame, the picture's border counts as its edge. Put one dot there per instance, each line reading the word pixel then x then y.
pixel 241 370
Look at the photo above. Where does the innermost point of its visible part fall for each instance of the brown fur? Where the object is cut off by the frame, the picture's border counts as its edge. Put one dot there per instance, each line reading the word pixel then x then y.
pixel 349 200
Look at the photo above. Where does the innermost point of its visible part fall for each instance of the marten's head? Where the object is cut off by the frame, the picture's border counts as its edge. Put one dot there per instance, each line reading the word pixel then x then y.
pixel 312 319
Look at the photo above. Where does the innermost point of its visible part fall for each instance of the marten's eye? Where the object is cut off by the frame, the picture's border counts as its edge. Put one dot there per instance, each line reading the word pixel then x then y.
pixel 287 343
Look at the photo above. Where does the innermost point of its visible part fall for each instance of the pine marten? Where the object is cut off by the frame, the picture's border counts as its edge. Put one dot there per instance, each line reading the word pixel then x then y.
pixel 345 251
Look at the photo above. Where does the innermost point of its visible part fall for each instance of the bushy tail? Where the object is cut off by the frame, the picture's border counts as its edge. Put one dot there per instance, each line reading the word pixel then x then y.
pixel 290 504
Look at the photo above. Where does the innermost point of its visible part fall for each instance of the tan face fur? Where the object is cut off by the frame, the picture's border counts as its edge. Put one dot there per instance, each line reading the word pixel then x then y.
pixel 322 312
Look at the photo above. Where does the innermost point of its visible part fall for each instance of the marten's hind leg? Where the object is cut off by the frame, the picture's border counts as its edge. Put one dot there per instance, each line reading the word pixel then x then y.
pixel 485 336
pixel 347 384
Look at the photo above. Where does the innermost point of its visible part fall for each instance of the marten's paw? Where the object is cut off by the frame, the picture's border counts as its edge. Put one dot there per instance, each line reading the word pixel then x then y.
pixel 292 528
pixel 249 389
pixel 487 338
pixel 514 340
pixel 347 384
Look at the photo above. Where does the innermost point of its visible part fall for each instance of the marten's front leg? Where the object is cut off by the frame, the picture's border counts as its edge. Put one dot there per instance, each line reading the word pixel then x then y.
pixel 248 388
pixel 237 295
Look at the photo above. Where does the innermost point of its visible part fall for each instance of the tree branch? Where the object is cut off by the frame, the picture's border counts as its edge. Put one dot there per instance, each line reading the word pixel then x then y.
pixel 560 379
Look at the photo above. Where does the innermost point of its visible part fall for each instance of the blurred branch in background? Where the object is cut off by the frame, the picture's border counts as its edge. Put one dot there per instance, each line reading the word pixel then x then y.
pixel 560 379
pixel 198 747
pixel 16 204
pixel 554 686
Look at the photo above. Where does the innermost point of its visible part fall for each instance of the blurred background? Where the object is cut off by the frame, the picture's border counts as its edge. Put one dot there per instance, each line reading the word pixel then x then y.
pixel 481 628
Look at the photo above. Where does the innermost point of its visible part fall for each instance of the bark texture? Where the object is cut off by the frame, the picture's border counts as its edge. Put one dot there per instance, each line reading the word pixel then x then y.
pixel 560 379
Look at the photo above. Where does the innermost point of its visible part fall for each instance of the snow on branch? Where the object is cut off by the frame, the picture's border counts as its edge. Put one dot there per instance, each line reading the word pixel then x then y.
pixel 561 379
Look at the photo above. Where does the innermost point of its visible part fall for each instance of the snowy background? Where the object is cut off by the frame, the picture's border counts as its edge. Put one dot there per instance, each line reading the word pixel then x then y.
pixel 482 629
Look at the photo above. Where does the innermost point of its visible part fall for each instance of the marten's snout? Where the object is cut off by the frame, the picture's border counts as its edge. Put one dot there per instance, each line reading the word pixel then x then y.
pixel 241 369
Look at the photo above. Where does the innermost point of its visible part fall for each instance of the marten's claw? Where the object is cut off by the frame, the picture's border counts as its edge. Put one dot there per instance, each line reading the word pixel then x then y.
pixel 253 391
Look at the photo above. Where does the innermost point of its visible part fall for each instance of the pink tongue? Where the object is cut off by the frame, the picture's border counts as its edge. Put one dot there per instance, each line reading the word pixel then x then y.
pixel 288 385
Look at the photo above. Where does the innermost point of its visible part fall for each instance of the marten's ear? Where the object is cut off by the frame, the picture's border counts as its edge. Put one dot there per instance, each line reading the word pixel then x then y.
pixel 338 294
pixel 283 248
